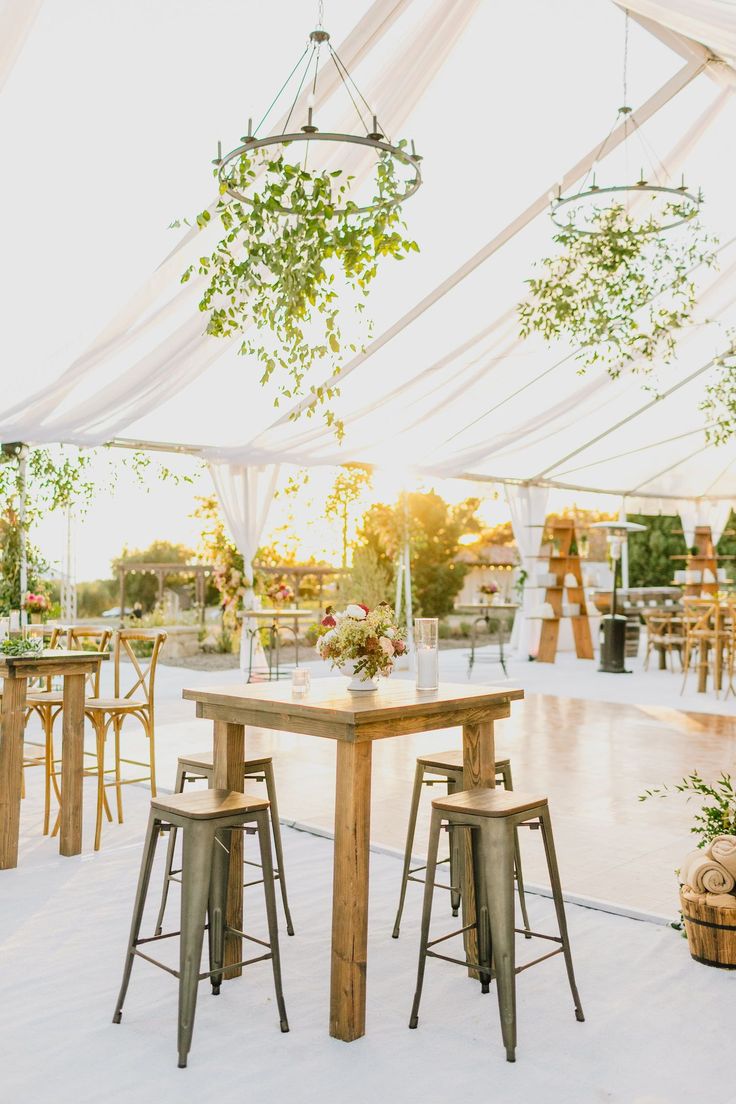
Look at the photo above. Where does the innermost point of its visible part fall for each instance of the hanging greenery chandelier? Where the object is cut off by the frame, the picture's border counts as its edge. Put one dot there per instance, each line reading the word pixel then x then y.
pixel 234 168
pixel 586 211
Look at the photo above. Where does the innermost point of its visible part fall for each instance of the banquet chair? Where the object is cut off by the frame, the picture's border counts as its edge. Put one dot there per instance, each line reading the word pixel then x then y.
pixel 48 703
pixel 664 631
pixel 136 702
pixel 701 639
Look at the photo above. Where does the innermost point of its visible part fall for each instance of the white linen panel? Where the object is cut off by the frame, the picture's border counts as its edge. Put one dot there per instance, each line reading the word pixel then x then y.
pixel 528 507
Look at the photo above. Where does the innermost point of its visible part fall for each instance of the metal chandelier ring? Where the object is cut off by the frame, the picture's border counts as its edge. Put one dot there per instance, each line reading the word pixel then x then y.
pixel 685 197
pixel 398 154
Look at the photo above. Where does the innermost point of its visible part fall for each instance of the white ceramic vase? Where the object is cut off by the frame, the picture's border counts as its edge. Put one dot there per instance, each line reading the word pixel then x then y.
pixel 360 681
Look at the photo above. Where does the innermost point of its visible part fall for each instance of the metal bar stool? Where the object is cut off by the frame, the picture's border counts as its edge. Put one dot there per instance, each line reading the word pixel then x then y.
pixel 447 767
pixel 493 816
pixel 206 818
pixel 198 767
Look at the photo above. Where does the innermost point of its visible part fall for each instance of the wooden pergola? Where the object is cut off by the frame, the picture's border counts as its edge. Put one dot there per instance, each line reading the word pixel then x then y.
pixel 161 570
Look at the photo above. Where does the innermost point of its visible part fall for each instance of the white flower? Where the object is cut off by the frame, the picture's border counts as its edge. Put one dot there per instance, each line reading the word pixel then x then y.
pixel 356 612
pixel 390 633
pixel 386 645
pixel 328 636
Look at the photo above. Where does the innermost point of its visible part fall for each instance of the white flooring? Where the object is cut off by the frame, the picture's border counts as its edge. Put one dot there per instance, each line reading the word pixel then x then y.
pixel 657 1023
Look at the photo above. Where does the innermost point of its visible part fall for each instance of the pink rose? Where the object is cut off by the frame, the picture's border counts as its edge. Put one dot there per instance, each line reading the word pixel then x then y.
pixel 386 645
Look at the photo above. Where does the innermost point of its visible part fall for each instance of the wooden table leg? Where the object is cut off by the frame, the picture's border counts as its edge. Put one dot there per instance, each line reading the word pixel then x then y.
pixel 350 891
pixel 72 765
pixel 12 724
pixel 479 772
pixel 228 759
pixel 703 667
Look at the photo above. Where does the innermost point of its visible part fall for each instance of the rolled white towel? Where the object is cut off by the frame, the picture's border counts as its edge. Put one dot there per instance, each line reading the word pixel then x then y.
pixel 690 858
pixel 706 875
pixel 723 850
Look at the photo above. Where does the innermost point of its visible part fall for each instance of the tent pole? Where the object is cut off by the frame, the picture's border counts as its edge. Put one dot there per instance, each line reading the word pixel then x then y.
pixel 407 580
pixel 22 534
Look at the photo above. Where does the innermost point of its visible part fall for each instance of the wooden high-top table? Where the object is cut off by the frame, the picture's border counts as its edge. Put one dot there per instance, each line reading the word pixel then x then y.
pixel 354 721
pixel 15 672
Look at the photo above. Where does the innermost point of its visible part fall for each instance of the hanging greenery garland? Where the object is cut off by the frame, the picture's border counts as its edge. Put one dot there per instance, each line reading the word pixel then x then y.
pixel 619 291
pixel 719 404
pixel 282 280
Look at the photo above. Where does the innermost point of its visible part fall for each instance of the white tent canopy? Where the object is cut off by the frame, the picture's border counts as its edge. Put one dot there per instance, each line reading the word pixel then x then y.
pixel 446 386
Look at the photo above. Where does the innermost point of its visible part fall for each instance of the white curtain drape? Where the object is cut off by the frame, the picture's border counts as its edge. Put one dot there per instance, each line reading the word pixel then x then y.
pixel 16 20
pixel 245 495
pixel 709 22
pixel 528 506
pixel 703 511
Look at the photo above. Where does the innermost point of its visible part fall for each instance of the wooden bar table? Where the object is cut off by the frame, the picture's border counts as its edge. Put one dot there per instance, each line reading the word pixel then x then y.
pixel 354 721
pixel 15 672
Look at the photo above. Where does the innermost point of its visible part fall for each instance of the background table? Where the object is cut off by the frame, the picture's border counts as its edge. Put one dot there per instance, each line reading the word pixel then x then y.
pixel 354 721
pixel 271 619
pixel 15 672
pixel 501 612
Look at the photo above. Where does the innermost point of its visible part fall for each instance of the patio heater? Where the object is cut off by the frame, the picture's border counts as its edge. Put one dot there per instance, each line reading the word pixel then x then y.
pixel 613 625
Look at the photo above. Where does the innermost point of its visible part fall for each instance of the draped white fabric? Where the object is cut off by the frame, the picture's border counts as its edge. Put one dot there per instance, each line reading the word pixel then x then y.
pixel 710 22
pixel 245 495
pixel 695 512
pixel 446 386
pixel 528 507
pixel 16 20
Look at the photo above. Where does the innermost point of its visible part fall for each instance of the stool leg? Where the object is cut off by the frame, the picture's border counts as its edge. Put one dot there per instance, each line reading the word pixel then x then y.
pixel 455 855
pixel 195 886
pixel 149 852
pixel 432 848
pixel 264 841
pixel 411 828
pixel 509 785
pixel 276 829
pixel 217 905
pixel 497 839
pixel 554 876
pixel 178 788
pixel 483 921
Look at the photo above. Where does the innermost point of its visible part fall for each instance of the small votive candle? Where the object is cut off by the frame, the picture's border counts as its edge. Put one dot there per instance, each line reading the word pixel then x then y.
pixel 300 680
pixel 14 621
pixel 426 648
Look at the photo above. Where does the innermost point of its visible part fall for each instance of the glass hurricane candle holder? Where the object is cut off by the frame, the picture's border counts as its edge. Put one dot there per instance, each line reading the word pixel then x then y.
pixel 426 649
pixel 300 681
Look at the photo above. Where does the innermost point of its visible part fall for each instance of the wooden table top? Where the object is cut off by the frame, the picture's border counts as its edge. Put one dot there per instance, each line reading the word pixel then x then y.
pixel 329 709
pixel 55 661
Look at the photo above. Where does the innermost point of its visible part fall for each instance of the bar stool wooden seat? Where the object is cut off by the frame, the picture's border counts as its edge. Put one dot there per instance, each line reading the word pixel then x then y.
pixel 198 766
pixel 493 815
pixel 206 819
pixel 438 768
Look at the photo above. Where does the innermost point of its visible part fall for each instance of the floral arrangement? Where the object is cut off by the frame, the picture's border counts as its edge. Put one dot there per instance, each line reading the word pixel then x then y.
pixel 232 585
pixel 489 588
pixel 36 603
pixel 280 594
pixel 368 638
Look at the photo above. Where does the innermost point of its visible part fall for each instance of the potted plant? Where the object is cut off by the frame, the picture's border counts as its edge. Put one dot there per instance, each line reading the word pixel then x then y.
pixel 708 874
pixel 361 643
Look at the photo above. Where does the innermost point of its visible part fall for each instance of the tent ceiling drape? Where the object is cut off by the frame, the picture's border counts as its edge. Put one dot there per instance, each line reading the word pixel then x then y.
pixel 446 387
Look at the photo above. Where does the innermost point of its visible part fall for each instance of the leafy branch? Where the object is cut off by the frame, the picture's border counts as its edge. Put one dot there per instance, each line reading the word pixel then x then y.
pixel 717 815
pixel 621 292
pixel 279 280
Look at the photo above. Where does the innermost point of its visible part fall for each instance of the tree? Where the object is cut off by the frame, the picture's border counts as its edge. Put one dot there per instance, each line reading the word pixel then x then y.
pixel 434 529
pixel 350 482
pixel 650 553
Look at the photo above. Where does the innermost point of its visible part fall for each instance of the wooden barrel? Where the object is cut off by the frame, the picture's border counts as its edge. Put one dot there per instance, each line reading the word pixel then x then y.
pixel 711 933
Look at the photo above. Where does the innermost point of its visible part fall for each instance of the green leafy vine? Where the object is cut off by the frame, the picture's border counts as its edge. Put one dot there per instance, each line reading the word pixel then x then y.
pixel 717 814
pixel 620 293
pixel 281 280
